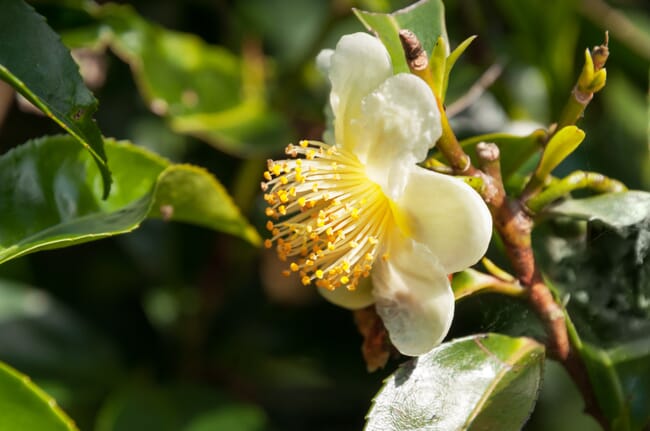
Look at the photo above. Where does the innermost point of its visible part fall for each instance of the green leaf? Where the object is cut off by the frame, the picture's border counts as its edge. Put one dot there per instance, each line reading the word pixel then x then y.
pixel 471 281
pixel 482 382
pixel 26 407
pixel 619 211
pixel 451 61
pixel 203 90
pixel 621 384
pixel 425 18
pixel 620 377
pixel 50 196
pixel 34 61
pixel 563 143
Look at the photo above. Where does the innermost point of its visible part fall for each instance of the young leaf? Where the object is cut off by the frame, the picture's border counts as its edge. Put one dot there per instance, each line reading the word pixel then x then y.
pixel 26 407
pixel 34 61
pixel 451 61
pixel 470 282
pixel 425 18
pixel 563 143
pixel 50 197
pixel 482 382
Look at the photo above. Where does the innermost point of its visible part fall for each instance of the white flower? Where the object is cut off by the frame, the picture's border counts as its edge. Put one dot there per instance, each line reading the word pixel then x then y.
pixel 359 206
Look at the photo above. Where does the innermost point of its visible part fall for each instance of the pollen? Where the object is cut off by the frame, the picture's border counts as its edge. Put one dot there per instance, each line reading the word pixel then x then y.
pixel 329 218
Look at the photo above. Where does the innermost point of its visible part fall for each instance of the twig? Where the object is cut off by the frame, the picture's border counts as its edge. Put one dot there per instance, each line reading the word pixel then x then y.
pixel 476 90
pixel 6 98
pixel 514 226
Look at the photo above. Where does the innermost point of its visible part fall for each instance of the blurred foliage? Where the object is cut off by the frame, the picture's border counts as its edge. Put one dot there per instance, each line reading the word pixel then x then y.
pixel 172 318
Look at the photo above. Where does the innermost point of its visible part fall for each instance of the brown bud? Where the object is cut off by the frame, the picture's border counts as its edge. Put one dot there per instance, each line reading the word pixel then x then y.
pixel 416 56
pixel 600 54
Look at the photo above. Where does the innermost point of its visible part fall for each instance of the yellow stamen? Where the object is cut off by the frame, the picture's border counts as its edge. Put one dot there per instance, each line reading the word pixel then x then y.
pixel 333 223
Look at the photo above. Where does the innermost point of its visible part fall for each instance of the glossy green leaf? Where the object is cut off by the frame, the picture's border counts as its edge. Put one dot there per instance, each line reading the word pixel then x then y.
pixel 203 90
pixel 26 407
pixel 50 196
pixel 563 143
pixel 482 382
pixel 34 61
pixel 425 18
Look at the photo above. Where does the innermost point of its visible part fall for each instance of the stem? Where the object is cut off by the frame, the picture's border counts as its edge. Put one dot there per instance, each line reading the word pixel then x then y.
pixel 574 181
pixel 418 63
pixel 450 147
pixel 514 225
pixel 591 80
pixel 574 108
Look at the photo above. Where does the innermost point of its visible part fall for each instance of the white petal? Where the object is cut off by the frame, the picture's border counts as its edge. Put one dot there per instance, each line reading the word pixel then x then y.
pixel 356 299
pixel 413 297
pixel 448 216
pixel 401 123
pixel 324 61
pixel 359 64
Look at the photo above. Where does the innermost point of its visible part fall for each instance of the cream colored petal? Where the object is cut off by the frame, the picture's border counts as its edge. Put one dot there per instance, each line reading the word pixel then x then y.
pixel 401 122
pixel 358 65
pixel 413 297
pixel 324 61
pixel 356 299
pixel 446 215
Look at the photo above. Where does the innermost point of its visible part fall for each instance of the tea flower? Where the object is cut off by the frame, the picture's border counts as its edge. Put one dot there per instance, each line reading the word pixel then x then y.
pixel 359 207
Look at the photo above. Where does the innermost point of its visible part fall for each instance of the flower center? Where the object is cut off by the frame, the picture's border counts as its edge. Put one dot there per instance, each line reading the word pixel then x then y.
pixel 330 218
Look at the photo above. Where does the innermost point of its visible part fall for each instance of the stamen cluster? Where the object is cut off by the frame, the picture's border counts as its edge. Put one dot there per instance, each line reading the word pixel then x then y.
pixel 326 217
